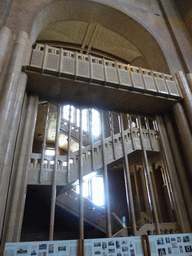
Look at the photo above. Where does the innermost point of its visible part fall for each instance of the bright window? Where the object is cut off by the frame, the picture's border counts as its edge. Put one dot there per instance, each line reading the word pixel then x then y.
pixel 50 152
pixel 97 190
pixel 96 123
pixel 75 119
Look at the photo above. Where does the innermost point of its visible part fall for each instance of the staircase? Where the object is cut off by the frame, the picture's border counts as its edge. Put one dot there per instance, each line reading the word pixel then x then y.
pixel 145 218
pixel 92 161
pixel 93 214
pixel 165 228
pixel 68 199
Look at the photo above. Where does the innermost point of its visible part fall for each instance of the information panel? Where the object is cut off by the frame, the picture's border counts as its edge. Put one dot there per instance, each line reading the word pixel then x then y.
pixel 172 244
pixel 124 246
pixel 52 248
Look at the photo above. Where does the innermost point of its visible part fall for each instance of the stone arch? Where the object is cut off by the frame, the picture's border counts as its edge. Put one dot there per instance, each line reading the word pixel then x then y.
pixel 109 17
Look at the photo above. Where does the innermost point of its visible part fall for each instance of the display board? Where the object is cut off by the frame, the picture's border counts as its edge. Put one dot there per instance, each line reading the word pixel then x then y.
pixel 172 244
pixel 124 246
pixel 52 248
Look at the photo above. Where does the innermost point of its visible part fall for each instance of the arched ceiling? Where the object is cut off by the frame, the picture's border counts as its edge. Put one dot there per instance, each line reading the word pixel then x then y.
pixel 97 28
pixel 91 38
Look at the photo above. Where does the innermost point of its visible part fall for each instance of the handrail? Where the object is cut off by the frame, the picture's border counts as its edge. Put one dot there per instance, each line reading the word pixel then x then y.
pixel 64 63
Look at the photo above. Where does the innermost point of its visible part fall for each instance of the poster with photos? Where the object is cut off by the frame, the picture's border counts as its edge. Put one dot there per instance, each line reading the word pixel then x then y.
pixel 172 244
pixel 125 246
pixel 52 248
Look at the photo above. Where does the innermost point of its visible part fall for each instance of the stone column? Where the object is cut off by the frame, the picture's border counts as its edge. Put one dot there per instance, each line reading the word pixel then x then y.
pixel 167 203
pixel 148 176
pixel 54 181
pixel 189 79
pixel 5 35
pixel 179 166
pixel 105 179
pixel 187 96
pixel 8 93
pixel 44 143
pixel 14 224
pixel 144 189
pixel 6 54
pixel 180 210
pixel 185 136
pixel 81 199
pixel 137 190
pixel 128 179
pixel 9 152
pixel 156 192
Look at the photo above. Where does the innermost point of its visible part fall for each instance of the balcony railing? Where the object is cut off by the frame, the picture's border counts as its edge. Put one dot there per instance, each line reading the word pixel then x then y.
pixel 60 62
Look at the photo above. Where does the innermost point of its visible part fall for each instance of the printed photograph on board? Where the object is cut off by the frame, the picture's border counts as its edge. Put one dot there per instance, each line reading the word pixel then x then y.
pixel 181 249
pixel 104 245
pixel 186 239
pixel 188 248
pixel 97 244
pixel 111 243
pixel 42 246
pixel 111 250
pixel 125 248
pixel 34 250
pixel 160 241
pixel 161 252
pixel 124 242
pixel 22 249
pixel 51 248
pixel 178 239
pixel 62 248
pixel 117 244
pixel 169 250
pixel 167 240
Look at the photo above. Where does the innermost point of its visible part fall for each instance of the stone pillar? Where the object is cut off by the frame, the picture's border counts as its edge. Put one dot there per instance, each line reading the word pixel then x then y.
pixel 105 179
pixel 9 152
pixel 156 192
pixel 137 190
pixel 180 208
pixel 81 199
pixel 151 192
pixel 187 96
pixel 6 57
pixel 167 203
pixel 179 166
pixel 14 224
pixel 54 181
pixel 149 181
pixel 8 93
pixel 184 134
pixel 144 189
pixel 127 176
pixel 189 79
pixel 5 35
